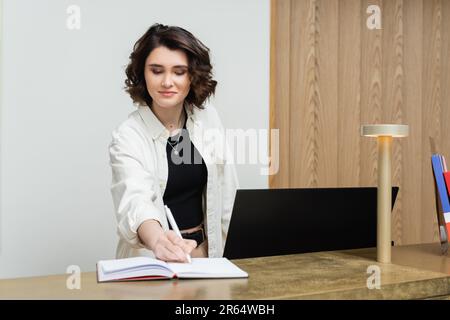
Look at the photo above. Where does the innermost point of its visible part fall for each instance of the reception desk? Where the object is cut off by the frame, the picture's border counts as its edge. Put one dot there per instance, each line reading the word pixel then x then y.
pixel 417 272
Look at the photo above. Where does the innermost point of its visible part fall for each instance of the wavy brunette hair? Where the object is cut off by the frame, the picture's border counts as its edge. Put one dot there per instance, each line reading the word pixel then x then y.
pixel 174 38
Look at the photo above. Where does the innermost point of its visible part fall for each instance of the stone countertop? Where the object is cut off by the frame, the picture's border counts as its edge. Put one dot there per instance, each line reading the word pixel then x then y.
pixel 417 272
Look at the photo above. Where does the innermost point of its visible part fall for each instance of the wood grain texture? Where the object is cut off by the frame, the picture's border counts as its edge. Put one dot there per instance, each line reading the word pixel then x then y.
pixel 411 183
pixel 303 95
pixel 326 93
pixel 445 83
pixel 431 110
pixel 349 87
pixel 341 74
pixel 371 90
pixel 392 97
pixel 445 80
pixel 279 85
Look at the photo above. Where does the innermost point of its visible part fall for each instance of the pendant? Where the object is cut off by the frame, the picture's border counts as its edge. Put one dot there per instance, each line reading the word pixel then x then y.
pixel 176 152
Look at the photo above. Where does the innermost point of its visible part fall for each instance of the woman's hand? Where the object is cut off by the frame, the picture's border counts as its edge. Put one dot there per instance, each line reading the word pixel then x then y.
pixel 171 248
pixel 166 245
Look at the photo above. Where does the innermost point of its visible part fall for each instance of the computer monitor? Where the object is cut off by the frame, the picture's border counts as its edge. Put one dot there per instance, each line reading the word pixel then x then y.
pixel 269 222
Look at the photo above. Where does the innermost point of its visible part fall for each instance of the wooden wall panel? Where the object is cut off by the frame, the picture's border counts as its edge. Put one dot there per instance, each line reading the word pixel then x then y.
pixel 303 95
pixel 349 86
pixel 392 97
pixel 371 90
pixel 326 97
pixel 431 111
pixel 411 182
pixel 330 74
pixel 445 79
pixel 279 86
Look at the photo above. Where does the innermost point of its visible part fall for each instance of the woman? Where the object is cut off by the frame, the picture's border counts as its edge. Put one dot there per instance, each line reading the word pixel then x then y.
pixel 169 152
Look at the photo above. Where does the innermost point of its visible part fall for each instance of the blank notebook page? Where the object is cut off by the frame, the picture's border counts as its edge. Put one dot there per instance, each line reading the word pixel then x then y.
pixel 132 264
pixel 210 266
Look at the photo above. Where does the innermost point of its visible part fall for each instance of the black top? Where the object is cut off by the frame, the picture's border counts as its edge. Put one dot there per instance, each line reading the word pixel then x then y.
pixel 186 181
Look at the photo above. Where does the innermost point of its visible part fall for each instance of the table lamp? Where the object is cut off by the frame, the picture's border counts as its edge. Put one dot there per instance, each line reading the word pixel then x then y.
pixel 384 134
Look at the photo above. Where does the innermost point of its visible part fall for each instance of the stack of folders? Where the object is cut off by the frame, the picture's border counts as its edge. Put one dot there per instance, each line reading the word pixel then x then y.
pixel 442 190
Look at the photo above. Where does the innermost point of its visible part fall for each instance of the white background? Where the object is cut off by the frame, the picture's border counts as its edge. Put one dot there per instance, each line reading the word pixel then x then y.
pixel 62 96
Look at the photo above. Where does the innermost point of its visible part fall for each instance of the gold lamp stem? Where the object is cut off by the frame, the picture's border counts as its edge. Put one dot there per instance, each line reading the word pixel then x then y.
pixel 384 134
pixel 384 199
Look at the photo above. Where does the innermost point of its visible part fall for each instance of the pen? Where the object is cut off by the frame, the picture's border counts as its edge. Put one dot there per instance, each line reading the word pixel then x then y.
pixel 175 228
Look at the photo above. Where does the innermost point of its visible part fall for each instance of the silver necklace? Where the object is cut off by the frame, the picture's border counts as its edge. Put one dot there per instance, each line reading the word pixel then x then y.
pixel 175 144
pixel 175 150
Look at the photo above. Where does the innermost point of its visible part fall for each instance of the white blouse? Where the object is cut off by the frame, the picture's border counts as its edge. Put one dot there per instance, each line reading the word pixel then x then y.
pixel 140 171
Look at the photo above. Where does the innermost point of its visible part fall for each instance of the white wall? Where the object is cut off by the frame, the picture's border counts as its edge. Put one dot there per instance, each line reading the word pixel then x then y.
pixel 62 96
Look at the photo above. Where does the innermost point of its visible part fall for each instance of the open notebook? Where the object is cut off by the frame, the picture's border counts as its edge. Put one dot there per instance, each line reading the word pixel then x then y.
pixel 146 268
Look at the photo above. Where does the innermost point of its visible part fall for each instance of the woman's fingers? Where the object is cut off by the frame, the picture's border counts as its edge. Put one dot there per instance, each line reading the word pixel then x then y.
pixel 189 245
pixel 173 237
pixel 186 244
pixel 168 251
pixel 165 254
pixel 175 249
pixel 173 244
